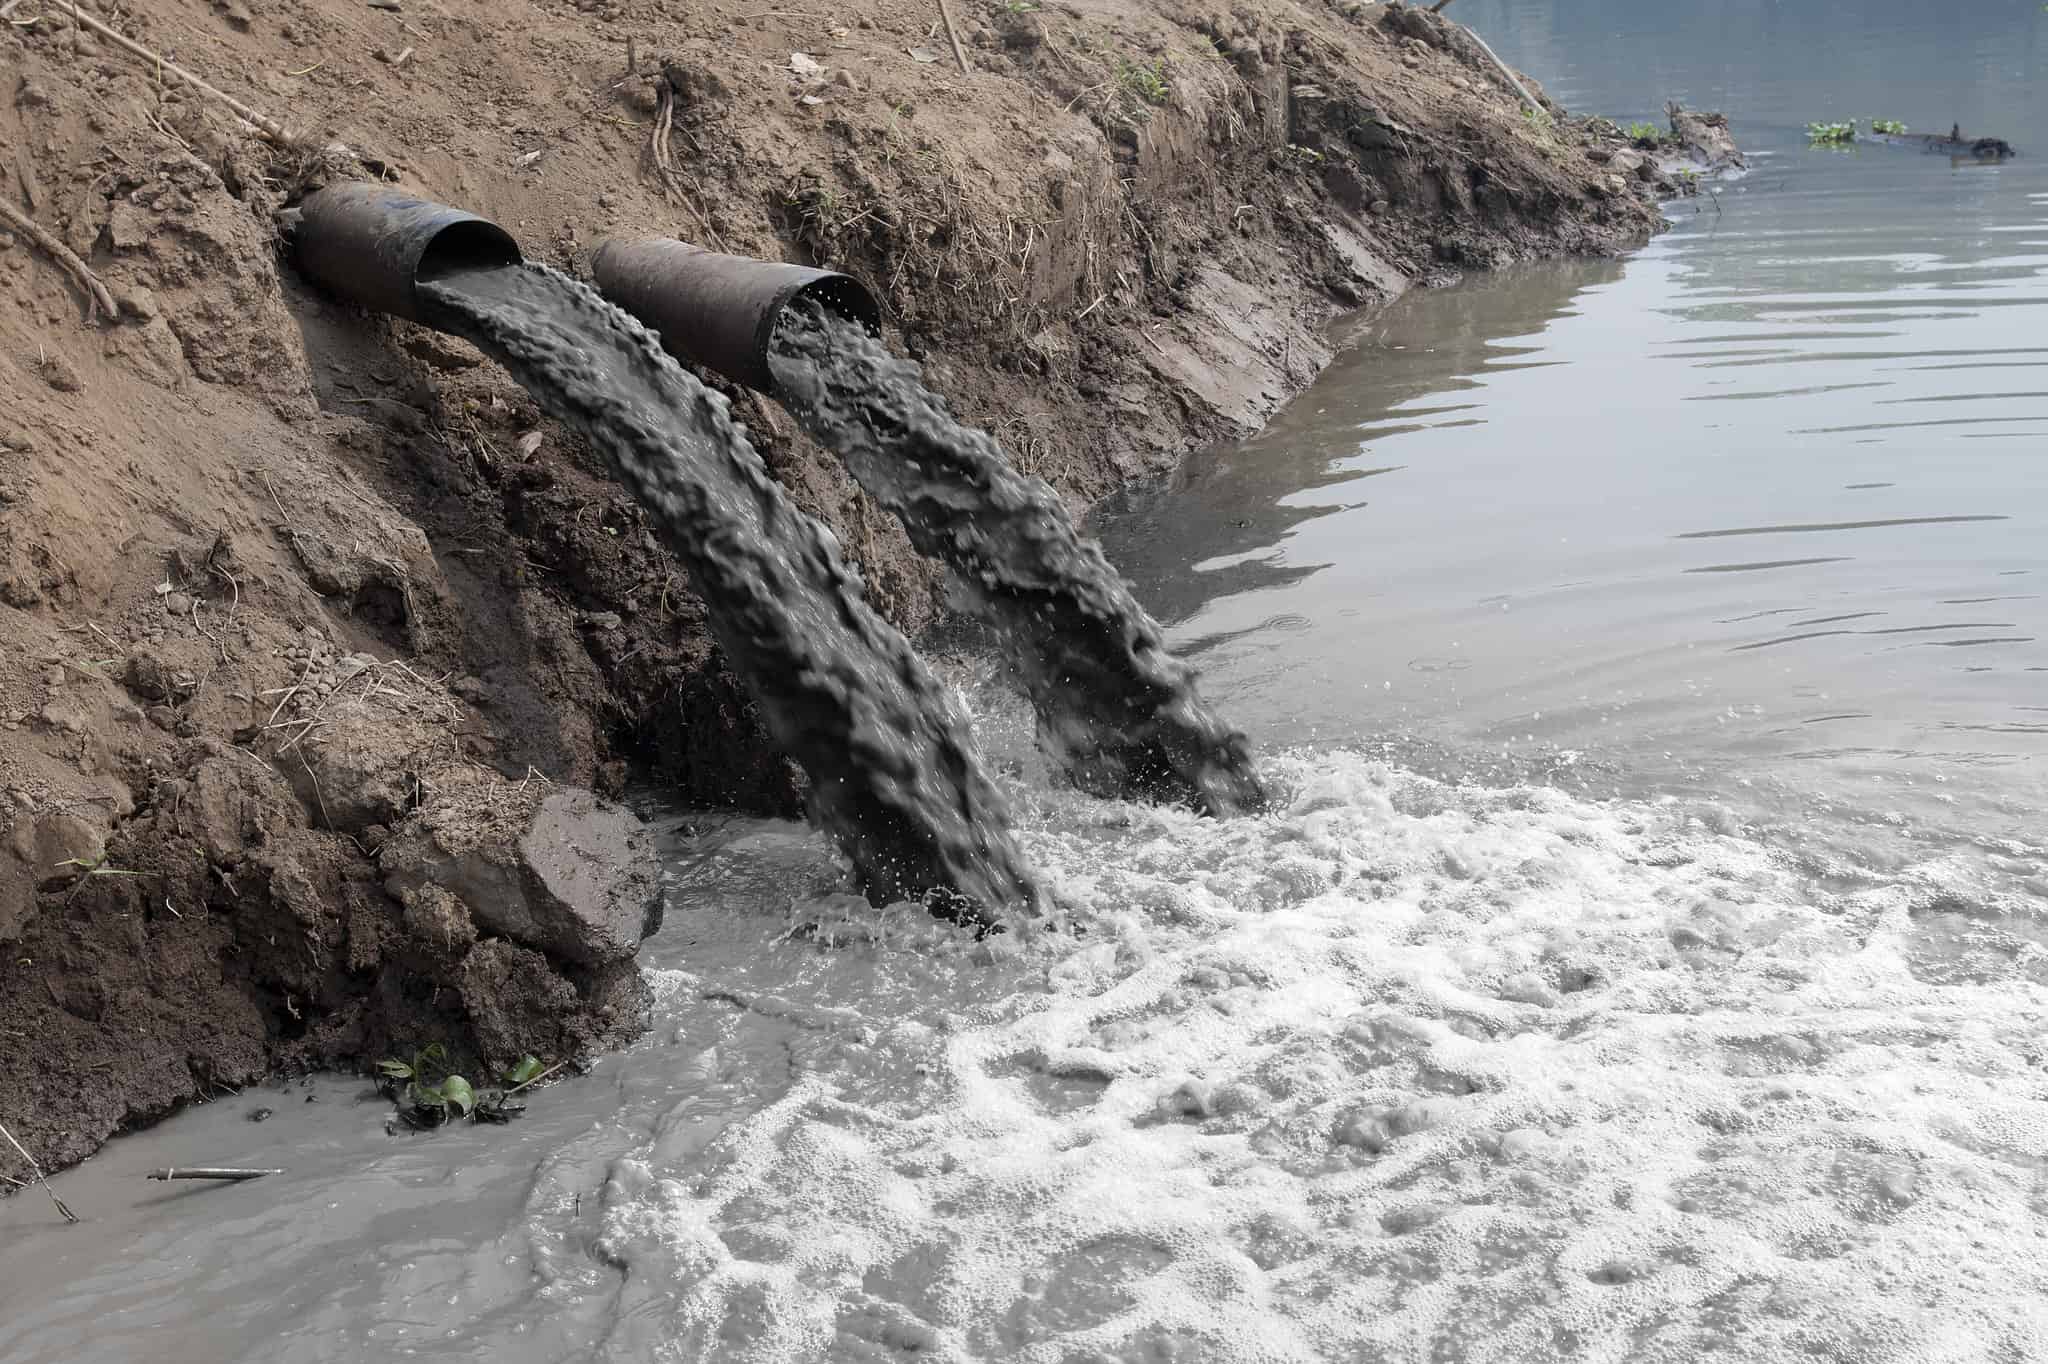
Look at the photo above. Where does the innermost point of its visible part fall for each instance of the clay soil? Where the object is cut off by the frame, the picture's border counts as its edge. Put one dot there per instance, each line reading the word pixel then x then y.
pixel 278 579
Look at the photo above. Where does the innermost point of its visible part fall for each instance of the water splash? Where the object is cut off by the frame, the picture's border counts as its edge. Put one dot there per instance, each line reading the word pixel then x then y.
pixel 1402 1070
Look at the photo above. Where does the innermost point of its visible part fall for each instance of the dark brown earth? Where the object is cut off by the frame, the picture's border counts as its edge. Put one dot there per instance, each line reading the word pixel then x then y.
pixel 296 602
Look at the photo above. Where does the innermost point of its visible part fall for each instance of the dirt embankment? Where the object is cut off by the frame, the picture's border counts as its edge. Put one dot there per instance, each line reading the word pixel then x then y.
pixel 314 631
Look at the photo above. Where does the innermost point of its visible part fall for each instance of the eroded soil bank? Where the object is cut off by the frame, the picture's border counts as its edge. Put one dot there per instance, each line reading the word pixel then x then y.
pixel 321 646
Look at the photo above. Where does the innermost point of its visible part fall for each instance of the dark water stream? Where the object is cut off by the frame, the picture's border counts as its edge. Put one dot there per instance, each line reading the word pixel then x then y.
pixel 1117 711
pixel 1643 957
pixel 893 772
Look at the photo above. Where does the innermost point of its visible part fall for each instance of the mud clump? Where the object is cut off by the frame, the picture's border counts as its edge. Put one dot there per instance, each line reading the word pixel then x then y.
pixel 560 871
pixel 1704 138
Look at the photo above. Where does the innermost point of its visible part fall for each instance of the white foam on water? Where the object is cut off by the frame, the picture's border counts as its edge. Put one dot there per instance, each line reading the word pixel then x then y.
pixel 1405 1071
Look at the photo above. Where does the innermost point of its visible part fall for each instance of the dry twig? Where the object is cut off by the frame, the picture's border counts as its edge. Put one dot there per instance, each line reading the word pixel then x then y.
pixel 953 36
pixel 262 123
pixel 69 1216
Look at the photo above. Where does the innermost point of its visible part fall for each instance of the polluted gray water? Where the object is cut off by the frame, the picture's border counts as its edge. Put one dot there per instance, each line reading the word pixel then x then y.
pixel 1500 1035
pixel 1116 711
pixel 1758 511
pixel 893 771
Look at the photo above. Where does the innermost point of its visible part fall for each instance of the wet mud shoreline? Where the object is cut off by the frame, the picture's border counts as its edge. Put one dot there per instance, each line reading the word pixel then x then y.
pixel 315 623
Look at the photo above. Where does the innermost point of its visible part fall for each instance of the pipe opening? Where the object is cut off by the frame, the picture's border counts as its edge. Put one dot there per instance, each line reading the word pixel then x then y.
pixel 471 244
pixel 845 296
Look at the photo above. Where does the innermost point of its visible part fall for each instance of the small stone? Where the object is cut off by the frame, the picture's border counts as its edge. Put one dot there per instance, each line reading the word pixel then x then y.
pixel 61 374
pixel 1379 208
pixel 163 717
pixel 65 718
pixel 56 677
pixel 138 302
pixel 566 874
pixel 262 1114
pixel 59 847
pixel 845 79
pixel 178 604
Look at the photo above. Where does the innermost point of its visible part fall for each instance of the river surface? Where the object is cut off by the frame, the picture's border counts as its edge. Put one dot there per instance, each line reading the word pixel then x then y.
pixel 1646 957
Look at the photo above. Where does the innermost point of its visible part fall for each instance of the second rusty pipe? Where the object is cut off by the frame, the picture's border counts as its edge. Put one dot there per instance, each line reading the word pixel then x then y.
pixel 720 311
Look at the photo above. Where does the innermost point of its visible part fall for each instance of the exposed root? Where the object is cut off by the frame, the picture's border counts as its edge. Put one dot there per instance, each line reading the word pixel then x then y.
pixel 99 301
pixel 659 151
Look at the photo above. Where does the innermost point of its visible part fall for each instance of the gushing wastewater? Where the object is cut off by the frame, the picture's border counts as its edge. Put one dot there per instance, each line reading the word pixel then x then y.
pixel 893 771
pixel 1115 709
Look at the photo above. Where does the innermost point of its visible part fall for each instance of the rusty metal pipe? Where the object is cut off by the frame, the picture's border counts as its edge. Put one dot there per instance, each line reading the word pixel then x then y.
pixel 720 311
pixel 375 245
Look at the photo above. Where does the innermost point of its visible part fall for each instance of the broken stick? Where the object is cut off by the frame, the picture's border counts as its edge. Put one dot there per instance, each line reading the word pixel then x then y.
pixel 214 1173
pixel 953 36
pixel 69 1216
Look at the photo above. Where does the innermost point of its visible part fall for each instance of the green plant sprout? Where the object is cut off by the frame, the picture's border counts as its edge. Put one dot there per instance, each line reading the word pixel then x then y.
pixel 429 1093
pixel 1148 83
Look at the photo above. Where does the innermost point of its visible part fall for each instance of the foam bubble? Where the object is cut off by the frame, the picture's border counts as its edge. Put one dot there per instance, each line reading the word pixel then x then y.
pixel 1405 1070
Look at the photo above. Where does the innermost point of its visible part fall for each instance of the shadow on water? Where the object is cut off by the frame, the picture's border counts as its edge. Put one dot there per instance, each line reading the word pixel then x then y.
pixel 1215 527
